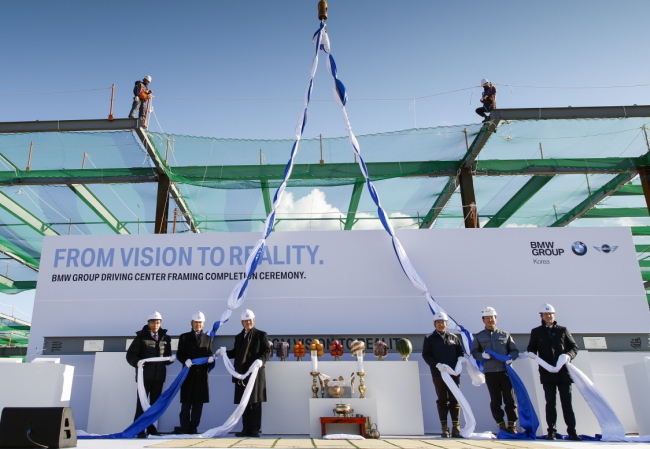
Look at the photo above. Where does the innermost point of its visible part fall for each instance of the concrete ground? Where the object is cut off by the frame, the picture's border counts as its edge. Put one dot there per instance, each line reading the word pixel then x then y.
pixel 299 442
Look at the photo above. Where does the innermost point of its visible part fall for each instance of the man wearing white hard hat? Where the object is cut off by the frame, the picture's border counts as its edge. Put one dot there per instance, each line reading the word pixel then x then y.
pixel 250 344
pixel 488 98
pixel 442 347
pixel 496 375
pixel 151 341
pixel 194 391
pixel 141 95
pixel 550 341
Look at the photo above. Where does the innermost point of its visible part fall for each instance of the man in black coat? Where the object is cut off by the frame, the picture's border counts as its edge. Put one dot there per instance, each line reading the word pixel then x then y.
pixel 250 344
pixel 442 347
pixel 549 341
pixel 194 391
pixel 151 341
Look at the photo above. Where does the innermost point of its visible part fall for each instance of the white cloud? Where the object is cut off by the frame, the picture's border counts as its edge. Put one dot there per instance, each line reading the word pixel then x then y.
pixel 314 205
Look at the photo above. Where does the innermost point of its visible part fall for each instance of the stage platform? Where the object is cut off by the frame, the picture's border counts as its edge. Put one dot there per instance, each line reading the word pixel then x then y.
pixel 300 441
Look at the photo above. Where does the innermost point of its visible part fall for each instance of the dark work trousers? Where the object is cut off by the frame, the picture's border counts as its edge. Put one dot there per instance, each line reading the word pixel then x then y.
pixel 190 416
pixel 447 402
pixel 154 390
pixel 550 390
pixel 483 110
pixel 138 104
pixel 501 392
pixel 252 417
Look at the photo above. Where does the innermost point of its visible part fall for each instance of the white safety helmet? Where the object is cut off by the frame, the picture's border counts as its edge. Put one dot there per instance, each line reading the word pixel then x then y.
pixel 148 78
pixel 547 308
pixel 155 316
pixel 247 315
pixel 488 311
pixel 440 316
pixel 198 316
pixel 484 82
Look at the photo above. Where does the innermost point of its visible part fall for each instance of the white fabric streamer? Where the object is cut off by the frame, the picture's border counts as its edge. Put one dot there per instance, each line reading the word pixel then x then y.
pixel 610 425
pixel 142 394
pixel 236 415
pixel 470 422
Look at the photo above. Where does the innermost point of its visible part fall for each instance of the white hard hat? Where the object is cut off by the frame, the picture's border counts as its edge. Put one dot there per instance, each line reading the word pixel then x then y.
pixel 148 78
pixel 547 308
pixel 488 311
pixel 155 316
pixel 247 315
pixel 484 81
pixel 440 316
pixel 198 316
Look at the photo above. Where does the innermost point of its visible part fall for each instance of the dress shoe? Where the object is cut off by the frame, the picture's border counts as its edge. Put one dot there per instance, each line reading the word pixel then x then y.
pixel 574 437
pixel 141 435
pixel 552 435
pixel 254 434
pixel 241 434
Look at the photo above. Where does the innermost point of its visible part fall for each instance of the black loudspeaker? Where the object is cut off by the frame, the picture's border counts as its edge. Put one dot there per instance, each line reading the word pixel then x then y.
pixel 34 427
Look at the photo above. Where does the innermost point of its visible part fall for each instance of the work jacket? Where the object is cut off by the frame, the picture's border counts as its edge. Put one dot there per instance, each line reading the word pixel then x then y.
pixel 498 341
pixel 442 348
pixel 144 346
pixel 549 343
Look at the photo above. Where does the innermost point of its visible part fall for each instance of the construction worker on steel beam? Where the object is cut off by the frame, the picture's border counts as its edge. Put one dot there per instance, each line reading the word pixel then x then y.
pixel 141 96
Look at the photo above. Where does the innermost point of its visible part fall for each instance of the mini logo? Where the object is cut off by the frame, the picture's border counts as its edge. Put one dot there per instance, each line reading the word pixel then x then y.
pixel 605 248
pixel 579 248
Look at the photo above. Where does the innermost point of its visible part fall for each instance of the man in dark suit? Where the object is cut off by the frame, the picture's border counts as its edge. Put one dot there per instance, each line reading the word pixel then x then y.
pixel 194 391
pixel 151 341
pixel 250 344
pixel 549 341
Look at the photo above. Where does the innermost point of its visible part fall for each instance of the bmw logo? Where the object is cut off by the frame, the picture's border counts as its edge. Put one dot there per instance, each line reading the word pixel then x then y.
pixel 579 248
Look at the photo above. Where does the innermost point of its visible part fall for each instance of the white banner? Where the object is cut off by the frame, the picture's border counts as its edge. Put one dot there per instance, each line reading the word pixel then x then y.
pixel 340 282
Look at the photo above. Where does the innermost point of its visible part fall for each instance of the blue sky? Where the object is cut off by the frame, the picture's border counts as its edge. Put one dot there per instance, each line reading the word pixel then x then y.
pixel 258 54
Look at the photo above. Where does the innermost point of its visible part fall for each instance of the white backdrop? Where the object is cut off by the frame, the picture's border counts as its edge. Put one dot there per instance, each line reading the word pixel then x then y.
pixel 347 282
pixel 344 282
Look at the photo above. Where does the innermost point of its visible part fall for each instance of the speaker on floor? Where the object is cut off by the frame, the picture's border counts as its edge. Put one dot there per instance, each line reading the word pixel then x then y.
pixel 34 427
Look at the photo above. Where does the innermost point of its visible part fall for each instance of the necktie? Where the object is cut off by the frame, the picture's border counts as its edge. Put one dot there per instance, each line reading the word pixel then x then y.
pixel 155 337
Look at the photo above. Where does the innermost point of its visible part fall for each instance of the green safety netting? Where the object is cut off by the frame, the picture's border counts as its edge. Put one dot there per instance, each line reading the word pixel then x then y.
pixel 529 173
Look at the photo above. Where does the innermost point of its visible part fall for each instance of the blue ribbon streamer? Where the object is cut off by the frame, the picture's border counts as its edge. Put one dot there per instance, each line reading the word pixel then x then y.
pixel 157 408
pixel 527 417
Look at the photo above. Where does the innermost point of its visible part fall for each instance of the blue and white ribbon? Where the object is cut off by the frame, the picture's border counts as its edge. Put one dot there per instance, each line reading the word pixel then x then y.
pixel 528 419
pixel 238 294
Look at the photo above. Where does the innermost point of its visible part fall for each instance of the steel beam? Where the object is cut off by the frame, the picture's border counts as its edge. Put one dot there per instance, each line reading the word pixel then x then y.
pixel 266 196
pixel 78 176
pixel 18 254
pixel 173 189
pixel 606 190
pixel 50 126
pixel 25 216
pixel 467 197
pixel 439 203
pixel 640 230
pixel 520 198
pixel 357 190
pixel 570 113
pixel 644 176
pixel 162 205
pixel 606 212
pixel 91 200
pixel 628 190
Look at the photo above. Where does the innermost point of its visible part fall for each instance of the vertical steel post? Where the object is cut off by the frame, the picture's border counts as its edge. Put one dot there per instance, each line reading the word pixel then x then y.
pixel 322 162
pixel 83 161
pixel 29 158
pixel 162 204
pixel 110 113
pixel 468 198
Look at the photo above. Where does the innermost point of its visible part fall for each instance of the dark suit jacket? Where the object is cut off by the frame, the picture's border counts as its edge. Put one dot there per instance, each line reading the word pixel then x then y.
pixel 246 351
pixel 195 388
pixel 549 344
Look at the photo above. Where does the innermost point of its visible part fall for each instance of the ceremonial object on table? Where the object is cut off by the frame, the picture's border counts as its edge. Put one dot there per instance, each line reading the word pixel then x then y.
pixel 380 350
pixel 282 350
